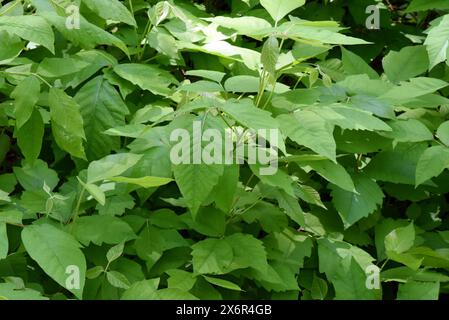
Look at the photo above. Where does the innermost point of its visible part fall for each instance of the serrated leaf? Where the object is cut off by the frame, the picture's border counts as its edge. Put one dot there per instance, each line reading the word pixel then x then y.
pixel 415 290
pixel 211 256
pixel 353 206
pixel 308 129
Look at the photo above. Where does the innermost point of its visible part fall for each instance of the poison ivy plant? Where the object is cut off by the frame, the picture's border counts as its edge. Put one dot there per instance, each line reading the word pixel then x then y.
pixel 107 191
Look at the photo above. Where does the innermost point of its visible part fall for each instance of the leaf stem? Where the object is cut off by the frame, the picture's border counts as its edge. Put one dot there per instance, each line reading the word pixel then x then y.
pixel 78 205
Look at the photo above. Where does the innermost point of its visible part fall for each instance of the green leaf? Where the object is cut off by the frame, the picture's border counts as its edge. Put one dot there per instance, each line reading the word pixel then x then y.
pixel 331 171
pixel 34 175
pixel 115 252
pixel 181 280
pixel 116 205
pixel 353 206
pixel 55 251
pixel 397 165
pixel 319 288
pixel 67 123
pixel 196 181
pixel 437 42
pixel 409 62
pixel 111 10
pixel 400 239
pixel 308 129
pixel 245 25
pixel 118 279
pixel 147 77
pixel 416 87
pixel 350 282
pixel 101 229
pixel 280 8
pixel 94 272
pixel 350 118
pixel 26 95
pixel 270 56
pixel 101 108
pixel 145 182
pixel 353 64
pixel 270 217
pixel 111 166
pixel 211 256
pixel 242 84
pixel 142 290
pixel 10 291
pixel 247 252
pixel 87 36
pixel 424 5
pixel 29 27
pixel 94 191
pixel 222 283
pixel 432 163
pixel 410 130
pixel 3 241
pixel 12 46
pixel 226 188
pixel 201 86
pixel 30 135
pixel 415 290
pixel 207 74
pixel 443 133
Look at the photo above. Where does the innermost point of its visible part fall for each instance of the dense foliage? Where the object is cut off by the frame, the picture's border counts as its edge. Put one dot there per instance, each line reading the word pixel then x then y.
pixel 92 205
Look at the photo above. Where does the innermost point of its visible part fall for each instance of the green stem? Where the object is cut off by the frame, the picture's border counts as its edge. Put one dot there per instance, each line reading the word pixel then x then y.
pixel 30 74
pixel 11 7
pixel 145 33
pixel 261 88
pixel 78 205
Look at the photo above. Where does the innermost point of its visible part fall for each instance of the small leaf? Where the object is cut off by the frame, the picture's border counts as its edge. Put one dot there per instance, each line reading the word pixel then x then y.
pixel 115 252
pixel 223 283
pixel 270 56
pixel 400 239
pixel 94 272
